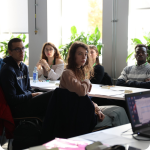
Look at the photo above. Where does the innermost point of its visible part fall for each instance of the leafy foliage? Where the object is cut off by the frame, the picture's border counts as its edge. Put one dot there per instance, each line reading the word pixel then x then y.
pixel 94 15
pixel 89 39
pixel 4 45
pixel 136 41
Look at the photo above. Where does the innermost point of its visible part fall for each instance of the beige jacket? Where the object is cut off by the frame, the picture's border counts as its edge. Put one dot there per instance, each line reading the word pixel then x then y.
pixel 73 84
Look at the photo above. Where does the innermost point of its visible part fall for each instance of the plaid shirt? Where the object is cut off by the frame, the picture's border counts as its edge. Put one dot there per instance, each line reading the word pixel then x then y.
pixel 1 63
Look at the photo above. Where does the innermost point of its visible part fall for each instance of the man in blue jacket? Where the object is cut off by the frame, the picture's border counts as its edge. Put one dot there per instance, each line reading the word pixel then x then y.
pixel 137 75
pixel 15 82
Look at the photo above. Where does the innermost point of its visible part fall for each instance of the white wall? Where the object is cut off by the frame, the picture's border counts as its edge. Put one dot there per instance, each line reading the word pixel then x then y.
pixel 13 16
pixel 121 40
pixel 36 40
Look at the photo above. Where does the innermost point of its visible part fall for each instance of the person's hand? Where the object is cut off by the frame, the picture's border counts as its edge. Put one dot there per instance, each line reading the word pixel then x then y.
pixel 127 81
pixel 39 93
pixel 147 80
pixel 89 83
pixel 43 62
pixel 38 65
pixel 36 94
pixel 95 105
pixel 96 108
pixel 101 116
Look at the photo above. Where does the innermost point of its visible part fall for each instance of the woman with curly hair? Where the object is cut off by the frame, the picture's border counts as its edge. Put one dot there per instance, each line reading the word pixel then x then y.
pixel 76 77
pixel 51 64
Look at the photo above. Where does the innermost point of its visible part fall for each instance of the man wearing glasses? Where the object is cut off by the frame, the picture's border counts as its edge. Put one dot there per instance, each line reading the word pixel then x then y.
pixel 137 75
pixel 14 80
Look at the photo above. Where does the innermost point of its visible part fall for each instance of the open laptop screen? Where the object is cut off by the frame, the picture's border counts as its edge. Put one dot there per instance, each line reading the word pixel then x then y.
pixel 139 108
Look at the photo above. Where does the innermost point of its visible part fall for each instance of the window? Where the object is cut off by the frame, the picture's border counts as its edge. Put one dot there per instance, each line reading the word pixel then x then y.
pixel 138 23
pixel 85 15
pixel 14 20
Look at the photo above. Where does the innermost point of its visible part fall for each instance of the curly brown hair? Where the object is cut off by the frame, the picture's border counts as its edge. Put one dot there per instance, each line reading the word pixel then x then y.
pixel 96 50
pixel 86 71
pixel 56 54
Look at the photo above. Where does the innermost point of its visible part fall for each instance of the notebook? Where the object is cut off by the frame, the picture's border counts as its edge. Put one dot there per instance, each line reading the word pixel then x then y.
pixel 138 105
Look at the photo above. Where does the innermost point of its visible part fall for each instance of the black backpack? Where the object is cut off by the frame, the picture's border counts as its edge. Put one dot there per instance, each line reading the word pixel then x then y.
pixel 27 134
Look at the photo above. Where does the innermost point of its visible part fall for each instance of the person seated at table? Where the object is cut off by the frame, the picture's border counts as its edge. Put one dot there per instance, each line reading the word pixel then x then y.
pixel 137 75
pixel 76 76
pixel 51 64
pixel 98 69
pixel 98 78
pixel 15 82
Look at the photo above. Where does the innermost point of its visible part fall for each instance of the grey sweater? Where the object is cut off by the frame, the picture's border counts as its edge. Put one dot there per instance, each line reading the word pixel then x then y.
pixel 136 76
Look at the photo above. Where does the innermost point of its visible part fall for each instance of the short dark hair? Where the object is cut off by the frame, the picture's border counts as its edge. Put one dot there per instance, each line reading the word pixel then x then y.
pixel 141 45
pixel 14 40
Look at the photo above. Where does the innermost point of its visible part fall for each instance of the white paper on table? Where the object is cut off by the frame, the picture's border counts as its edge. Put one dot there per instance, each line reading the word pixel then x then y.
pixel 99 136
pixel 116 90
pixel 42 84
pixel 108 92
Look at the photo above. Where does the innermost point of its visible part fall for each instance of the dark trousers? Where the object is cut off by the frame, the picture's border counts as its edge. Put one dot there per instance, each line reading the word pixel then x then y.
pixel 35 107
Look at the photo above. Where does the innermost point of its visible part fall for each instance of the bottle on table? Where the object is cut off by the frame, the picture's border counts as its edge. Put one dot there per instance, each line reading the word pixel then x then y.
pixel 35 74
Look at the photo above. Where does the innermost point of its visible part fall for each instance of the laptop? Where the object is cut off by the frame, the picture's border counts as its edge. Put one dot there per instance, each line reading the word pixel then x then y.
pixel 138 105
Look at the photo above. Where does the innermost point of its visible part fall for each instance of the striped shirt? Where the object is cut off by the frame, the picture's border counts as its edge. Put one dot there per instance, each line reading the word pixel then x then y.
pixel 136 73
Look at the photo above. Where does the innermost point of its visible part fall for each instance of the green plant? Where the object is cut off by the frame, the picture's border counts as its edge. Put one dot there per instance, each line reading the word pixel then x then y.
pixel 137 41
pixel 89 39
pixel 4 45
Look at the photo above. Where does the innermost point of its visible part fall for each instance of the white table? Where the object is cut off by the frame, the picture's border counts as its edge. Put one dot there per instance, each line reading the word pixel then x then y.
pixel 114 136
pixel 110 137
pixel 45 85
pixel 116 92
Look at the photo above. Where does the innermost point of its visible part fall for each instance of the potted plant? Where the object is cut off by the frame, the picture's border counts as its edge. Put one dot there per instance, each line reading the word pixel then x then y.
pixel 137 41
pixel 89 39
pixel 4 45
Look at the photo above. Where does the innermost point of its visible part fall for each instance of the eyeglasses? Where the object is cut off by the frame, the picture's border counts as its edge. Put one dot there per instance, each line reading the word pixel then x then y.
pixel 19 49
pixel 51 49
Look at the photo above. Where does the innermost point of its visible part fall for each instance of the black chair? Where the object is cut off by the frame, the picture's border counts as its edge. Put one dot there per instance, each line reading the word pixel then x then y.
pixel 68 115
pixel 19 121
